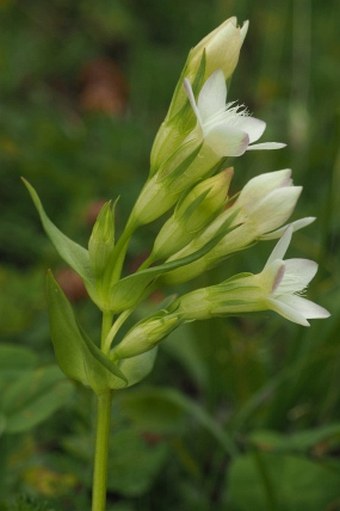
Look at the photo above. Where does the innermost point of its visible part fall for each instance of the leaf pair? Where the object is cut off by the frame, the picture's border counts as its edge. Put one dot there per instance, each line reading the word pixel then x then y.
pixel 79 358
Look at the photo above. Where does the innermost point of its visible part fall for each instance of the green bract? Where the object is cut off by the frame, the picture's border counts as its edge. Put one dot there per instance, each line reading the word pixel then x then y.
pixel 102 239
pixel 79 357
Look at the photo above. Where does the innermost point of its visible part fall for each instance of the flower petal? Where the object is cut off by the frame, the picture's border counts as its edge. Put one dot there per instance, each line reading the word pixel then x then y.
pixel 287 311
pixel 260 186
pixel 213 95
pixel 281 247
pixel 298 224
pixel 226 141
pixel 271 276
pixel 297 276
pixel 309 309
pixel 266 145
pixel 298 309
pixel 254 127
pixel 274 209
pixel 191 97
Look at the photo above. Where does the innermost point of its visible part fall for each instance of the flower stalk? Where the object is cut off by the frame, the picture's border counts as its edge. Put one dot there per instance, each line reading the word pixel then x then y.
pixel 103 428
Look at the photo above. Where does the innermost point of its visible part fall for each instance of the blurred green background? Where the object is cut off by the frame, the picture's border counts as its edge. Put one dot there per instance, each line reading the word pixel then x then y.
pixel 238 414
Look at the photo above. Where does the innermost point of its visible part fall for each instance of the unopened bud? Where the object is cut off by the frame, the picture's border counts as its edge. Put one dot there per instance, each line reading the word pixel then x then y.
pixel 194 212
pixel 146 334
pixel 102 239
pixel 218 50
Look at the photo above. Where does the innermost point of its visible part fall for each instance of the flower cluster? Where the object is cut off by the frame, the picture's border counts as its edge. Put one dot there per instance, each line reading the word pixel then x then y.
pixel 205 224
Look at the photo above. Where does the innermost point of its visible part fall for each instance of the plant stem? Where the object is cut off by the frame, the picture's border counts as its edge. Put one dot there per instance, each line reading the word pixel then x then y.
pixel 101 451
pixel 121 248
pixel 106 327
pixel 102 434
pixel 114 330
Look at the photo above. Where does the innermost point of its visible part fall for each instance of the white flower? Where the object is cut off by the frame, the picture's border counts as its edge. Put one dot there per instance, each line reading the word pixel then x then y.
pixel 267 201
pixel 227 129
pixel 278 288
pixel 286 281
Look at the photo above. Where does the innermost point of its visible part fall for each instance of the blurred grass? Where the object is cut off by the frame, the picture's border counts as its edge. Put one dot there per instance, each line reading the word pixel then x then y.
pixel 84 87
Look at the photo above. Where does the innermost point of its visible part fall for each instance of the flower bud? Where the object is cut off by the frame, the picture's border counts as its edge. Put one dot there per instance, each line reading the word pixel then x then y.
pixel 218 50
pixel 102 239
pixel 264 205
pixel 267 201
pixel 222 48
pixel 192 214
pixel 146 334
pixel 263 184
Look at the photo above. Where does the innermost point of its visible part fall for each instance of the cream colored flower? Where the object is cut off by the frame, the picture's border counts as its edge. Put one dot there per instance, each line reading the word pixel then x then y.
pixel 227 128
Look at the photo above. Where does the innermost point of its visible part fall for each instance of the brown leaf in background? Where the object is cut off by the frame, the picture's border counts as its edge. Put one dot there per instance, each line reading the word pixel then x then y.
pixel 71 284
pixel 104 88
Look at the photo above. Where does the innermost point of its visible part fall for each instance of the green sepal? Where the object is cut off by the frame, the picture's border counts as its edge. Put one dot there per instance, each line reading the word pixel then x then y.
pixel 175 114
pixel 170 170
pixel 78 357
pixel 129 291
pixel 73 254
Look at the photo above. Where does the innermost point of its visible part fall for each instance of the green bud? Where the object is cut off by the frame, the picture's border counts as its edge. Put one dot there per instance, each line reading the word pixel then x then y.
pixel 222 48
pixel 146 335
pixel 102 239
pixel 194 212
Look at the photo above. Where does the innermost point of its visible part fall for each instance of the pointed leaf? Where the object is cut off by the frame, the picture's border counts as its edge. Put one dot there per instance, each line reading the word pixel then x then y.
pixel 73 254
pixel 33 397
pixel 79 358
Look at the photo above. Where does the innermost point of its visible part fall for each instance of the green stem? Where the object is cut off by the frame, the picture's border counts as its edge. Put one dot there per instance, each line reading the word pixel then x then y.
pixel 121 248
pixel 101 451
pixel 145 264
pixel 114 330
pixel 103 427
pixel 106 327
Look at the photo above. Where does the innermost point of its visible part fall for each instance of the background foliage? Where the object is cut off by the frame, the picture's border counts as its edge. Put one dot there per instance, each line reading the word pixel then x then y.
pixel 239 413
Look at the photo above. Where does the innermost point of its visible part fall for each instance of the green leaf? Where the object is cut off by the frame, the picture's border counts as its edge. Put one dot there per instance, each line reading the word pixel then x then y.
pixel 134 463
pixel 187 354
pixel 3 423
pixel 152 410
pixel 16 358
pixel 301 441
pixel 79 358
pixel 72 253
pixel 158 407
pixel 279 482
pixel 129 291
pixel 32 397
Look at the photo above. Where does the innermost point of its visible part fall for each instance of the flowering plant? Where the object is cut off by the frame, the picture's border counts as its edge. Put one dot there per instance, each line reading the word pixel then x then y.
pixel 205 224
